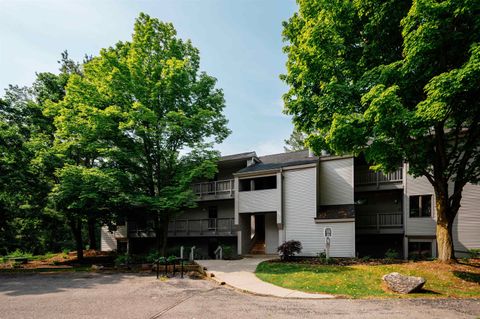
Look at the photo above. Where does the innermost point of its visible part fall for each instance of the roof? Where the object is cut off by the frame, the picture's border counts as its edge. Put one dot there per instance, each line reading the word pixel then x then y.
pixel 287 157
pixel 272 166
pixel 239 156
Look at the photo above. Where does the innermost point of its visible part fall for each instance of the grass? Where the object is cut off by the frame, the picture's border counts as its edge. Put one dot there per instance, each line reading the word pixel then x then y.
pixel 365 281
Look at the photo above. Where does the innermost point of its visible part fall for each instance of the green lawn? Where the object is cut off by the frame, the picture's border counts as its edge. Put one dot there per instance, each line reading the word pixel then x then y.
pixel 365 281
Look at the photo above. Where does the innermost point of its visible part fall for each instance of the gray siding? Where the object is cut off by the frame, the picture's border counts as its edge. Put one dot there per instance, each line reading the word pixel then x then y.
pixel 336 181
pixel 271 234
pixel 419 226
pixel 300 210
pixel 466 228
pixel 225 209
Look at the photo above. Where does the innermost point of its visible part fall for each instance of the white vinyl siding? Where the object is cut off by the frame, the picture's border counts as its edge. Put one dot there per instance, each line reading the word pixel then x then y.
pixel 336 181
pixel 107 240
pixel 266 200
pixel 466 228
pixel 300 212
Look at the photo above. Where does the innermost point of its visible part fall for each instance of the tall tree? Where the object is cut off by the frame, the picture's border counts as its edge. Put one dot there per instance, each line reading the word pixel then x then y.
pixel 296 142
pixel 396 81
pixel 144 107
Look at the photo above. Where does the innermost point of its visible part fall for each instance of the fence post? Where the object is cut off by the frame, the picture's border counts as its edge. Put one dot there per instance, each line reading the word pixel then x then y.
pixel 192 253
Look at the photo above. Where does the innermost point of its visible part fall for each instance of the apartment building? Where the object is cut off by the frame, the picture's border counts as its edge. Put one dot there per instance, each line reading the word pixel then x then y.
pixel 257 202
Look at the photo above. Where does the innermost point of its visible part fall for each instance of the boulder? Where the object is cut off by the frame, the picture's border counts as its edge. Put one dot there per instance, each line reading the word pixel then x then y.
pixel 97 267
pixel 194 275
pixel 403 284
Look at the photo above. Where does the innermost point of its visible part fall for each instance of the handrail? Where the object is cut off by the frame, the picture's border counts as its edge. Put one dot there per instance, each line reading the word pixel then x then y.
pixel 222 187
pixel 365 176
pixel 210 226
pixel 380 220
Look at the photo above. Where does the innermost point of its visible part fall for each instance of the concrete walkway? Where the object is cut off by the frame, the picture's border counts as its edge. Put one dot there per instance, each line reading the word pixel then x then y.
pixel 240 274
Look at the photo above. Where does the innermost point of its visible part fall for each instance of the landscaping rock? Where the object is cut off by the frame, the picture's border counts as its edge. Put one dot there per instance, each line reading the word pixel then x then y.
pixel 97 267
pixel 194 275
pixel 403 284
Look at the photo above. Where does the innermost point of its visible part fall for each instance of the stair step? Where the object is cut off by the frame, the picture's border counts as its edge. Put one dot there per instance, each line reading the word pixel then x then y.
pixel 258 248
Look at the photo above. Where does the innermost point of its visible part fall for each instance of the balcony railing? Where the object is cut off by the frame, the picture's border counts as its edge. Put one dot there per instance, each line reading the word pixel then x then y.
pixel 365 176
pixel 379 220
pixel 223 189
pixel 201 227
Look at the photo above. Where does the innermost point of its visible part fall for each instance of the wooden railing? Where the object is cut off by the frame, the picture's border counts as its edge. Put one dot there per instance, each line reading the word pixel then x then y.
pixel 365 176
pixel 379 220
pixel 202 227
pixel 223 187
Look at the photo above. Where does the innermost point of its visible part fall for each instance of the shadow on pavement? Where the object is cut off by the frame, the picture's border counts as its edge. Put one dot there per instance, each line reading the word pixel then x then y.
pixel 48 283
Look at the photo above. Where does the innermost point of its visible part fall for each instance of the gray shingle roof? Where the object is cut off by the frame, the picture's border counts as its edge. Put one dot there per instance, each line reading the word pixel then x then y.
pixel 246 155
pixel 286 157
pixel 269 166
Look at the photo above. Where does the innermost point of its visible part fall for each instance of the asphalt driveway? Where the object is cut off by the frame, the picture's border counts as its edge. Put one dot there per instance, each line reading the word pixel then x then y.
pixel 94 295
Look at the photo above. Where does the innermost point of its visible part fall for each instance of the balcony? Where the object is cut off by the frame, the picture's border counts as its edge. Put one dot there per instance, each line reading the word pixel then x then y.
pixel 223 189
pixel 201 227
pixel 367 179
pixel 265 200
pixel 386 223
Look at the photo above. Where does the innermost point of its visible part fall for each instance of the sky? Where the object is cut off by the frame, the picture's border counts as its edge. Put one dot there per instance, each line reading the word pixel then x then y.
pixel 240 44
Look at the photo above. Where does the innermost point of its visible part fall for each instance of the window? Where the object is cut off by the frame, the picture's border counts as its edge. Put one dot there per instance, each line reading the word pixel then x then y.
pixel 421 206
pixel 419 250
pixel 259 183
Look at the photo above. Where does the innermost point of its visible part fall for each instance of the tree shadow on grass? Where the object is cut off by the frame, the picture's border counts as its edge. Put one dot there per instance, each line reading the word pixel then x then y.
pixel 467 276
pixel 47 283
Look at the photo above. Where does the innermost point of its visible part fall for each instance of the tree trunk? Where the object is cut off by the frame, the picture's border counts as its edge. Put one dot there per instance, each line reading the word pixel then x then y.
pixel 164 231
pixel 445 218
pixel 92 238
pixel 76 227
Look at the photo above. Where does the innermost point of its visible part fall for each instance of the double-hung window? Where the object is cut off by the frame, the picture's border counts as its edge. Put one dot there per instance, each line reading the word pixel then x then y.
pixel 421 206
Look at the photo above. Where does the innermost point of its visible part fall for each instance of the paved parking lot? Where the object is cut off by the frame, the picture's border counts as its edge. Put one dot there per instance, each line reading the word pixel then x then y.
pixel 92 295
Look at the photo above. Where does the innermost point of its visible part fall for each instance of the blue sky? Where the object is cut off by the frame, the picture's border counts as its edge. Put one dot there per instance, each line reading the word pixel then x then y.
pixel 239 40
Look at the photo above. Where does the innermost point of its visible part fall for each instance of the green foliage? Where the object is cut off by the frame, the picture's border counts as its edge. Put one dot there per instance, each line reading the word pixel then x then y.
pixel 365 281
pixel 122 260
pixel 474 253
pixel 322 258
pixel 392 80
pixel 289 248
pixel 152 256
pixel 296 142
pixel 19 254
pixel 366 258
pixel 391 254
pixel 144 106
pixel 228 252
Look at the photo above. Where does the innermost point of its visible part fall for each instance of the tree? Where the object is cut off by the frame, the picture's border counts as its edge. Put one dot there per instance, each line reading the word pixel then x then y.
pixel 296 142
pixel 144 107
pixel 395 81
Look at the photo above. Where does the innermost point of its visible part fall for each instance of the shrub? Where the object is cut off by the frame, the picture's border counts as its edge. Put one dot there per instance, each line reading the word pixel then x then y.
pixel 474 253
pixel 152 256
pixel 289 248
pixel 322 258
pixel 366 258
pixel 19 254
pixel 391 254
pixel 228 252
pixel 123 260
